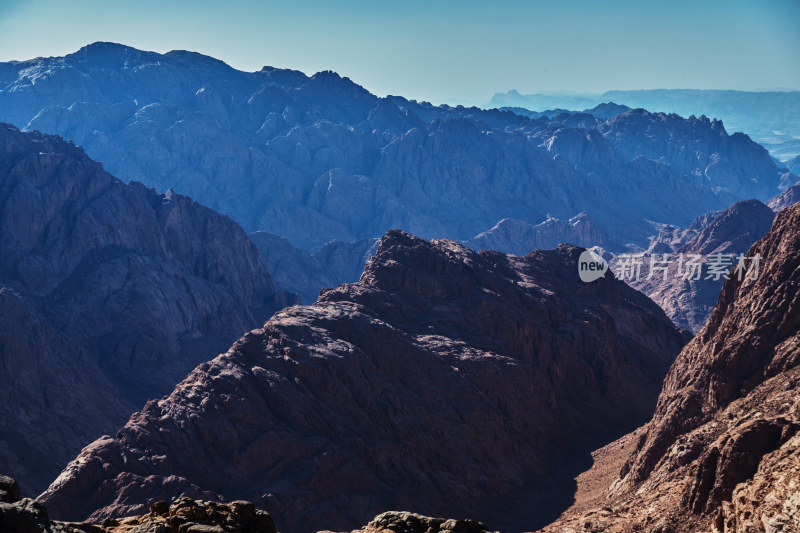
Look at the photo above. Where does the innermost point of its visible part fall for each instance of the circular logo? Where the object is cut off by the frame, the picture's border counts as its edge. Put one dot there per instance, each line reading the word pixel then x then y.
pixel 591 266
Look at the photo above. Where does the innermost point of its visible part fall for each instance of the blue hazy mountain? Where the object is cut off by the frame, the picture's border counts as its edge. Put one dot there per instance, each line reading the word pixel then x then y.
pixel 110 293
pixel 793 164
pixel 318 158
pixel 771 117
pixel 604 110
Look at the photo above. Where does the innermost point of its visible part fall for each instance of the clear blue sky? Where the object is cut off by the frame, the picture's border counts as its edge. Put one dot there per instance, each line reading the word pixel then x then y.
pixel 442 50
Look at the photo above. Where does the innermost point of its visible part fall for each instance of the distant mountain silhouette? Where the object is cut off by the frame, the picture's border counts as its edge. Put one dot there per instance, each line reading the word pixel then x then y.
pixel 297 271
pixel 772 118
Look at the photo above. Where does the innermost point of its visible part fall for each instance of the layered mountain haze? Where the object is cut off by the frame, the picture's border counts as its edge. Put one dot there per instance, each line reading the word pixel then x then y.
pixel 793 164
pixel 721 452
pixel 446 381
pixel 770 117
pixel 315 159
pixel 454 360
pixel 110 293
pixel 603 111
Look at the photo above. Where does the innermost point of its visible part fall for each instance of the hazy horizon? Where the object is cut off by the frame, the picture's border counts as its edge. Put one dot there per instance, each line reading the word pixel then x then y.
pixel 446 52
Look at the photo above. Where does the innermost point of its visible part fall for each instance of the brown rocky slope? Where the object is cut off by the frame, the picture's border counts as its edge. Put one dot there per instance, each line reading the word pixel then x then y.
pixel 721 452
pixel 109 294
pixel 445 381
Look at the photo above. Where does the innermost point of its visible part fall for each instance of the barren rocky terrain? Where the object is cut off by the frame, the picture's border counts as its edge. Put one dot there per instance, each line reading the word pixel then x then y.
pixel 721 452
pixel 445 382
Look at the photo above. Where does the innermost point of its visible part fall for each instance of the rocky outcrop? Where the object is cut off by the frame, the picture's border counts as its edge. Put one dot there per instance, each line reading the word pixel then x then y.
pixel 405 522
pixel 721 452
pixel 519 238
pixel 183 515
pixel 686 300
pixel 110 293
pixel 315 159
pixel 446 381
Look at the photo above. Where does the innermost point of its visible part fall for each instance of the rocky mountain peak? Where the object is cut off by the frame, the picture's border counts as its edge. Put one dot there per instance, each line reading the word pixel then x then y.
pixel 428 385
pixel 102 54
pixel 734 230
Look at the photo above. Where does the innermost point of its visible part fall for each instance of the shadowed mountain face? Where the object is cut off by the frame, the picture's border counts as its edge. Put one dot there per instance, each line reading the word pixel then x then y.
pixel 445 381
pixel 721 452
pixel 314 159
pixel 109 294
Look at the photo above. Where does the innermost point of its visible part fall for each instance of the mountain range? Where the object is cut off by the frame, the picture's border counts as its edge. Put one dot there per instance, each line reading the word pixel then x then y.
pixel 719 454
pixel 315 159
pixel 466 371
pixel 770 117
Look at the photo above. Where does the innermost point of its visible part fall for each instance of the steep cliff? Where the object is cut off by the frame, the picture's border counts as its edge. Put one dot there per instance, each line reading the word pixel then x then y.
pixel 721 452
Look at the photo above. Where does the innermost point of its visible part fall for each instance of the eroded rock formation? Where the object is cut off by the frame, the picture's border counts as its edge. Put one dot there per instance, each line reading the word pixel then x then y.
pixel 446 382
